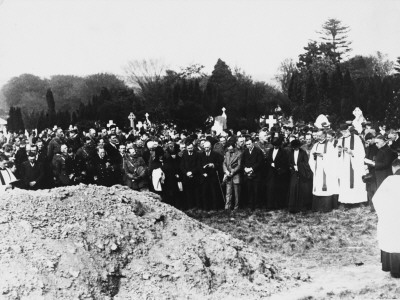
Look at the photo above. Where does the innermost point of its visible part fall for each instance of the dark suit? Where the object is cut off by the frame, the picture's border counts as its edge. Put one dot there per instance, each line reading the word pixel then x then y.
pixel 370 153
pixel 30 174
pixel 254 160
pixel 74 143
pixel 395 146
pixel 277 179
pixel 383 164
pixel 116 161
pixel 191 163
pixel 20 158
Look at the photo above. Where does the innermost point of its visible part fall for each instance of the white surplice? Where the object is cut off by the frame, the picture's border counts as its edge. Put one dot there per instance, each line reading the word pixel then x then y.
pixel 387 206
pixel 358 192
pixel 326 164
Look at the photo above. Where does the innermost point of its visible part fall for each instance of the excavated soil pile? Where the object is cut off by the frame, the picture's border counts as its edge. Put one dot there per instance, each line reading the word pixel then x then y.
pixel 90 242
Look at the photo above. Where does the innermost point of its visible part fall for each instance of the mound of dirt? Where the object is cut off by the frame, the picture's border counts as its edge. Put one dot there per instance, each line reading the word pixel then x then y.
pixel 90 242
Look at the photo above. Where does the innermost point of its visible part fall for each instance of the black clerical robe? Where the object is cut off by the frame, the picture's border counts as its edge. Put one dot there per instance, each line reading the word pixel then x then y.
pixel 190 163
pixel 211 193
pixel 300 190
pixel 277 179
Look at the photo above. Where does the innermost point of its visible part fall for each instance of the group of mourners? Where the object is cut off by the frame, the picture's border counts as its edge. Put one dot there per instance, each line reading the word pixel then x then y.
pixel 298 168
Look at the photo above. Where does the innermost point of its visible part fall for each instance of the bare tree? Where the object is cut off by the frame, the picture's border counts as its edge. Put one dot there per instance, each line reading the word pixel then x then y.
pixel 285 72
pixel 382 65
pixel 142 74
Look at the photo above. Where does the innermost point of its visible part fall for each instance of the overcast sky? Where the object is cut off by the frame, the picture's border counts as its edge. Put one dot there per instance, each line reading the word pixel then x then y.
pixel 49 37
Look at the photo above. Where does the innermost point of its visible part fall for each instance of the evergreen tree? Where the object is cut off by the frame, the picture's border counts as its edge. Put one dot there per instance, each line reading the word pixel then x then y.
pixel 74 118
pixel 11 119
pixel 42 122
pixel 324 101
pixel 334 33
pixel 397 66
pixel 387 94
pixel 392 113
pixel 313 52
pixel 224 84
pixel 295 95
pixel 310 99
pixel 335 91
pixel 51 107
pixel 19 123
pixel 379 101
pixel 348 101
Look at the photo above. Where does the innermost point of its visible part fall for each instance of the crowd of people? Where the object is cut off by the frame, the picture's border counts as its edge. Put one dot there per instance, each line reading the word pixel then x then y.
pixel 296 168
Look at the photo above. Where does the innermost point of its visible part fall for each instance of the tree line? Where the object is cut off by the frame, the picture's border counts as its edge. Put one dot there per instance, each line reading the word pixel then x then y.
pixel 186 98
pixel 324 80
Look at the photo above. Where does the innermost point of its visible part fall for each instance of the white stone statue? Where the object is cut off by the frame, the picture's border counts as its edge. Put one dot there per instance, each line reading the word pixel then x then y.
pixel 358 120
pixel 220 123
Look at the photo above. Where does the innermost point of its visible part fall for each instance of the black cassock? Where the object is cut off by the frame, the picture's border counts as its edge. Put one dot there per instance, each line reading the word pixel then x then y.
pixel 277 179
pixel 190 163
pixel 301 182
pixel 211 194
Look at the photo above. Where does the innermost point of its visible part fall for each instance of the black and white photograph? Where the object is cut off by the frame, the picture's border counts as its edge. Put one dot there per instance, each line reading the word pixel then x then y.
pixel 198 149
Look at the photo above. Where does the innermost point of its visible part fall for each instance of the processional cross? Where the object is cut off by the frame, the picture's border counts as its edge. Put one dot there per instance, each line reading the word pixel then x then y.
pixel 270 121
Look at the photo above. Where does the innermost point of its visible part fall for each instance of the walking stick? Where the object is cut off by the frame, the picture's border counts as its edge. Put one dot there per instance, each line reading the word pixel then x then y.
pixel 220 187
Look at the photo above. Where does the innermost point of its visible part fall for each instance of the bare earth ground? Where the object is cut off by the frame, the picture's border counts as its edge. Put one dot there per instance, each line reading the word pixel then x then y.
pixel 90 242
pixel 336 254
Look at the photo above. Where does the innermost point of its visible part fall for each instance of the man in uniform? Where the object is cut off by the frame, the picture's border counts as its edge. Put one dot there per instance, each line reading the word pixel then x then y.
pixel 55 144
pixel 62 167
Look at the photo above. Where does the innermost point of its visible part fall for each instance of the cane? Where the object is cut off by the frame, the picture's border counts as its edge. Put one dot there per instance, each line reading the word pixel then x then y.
pixel 220 187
